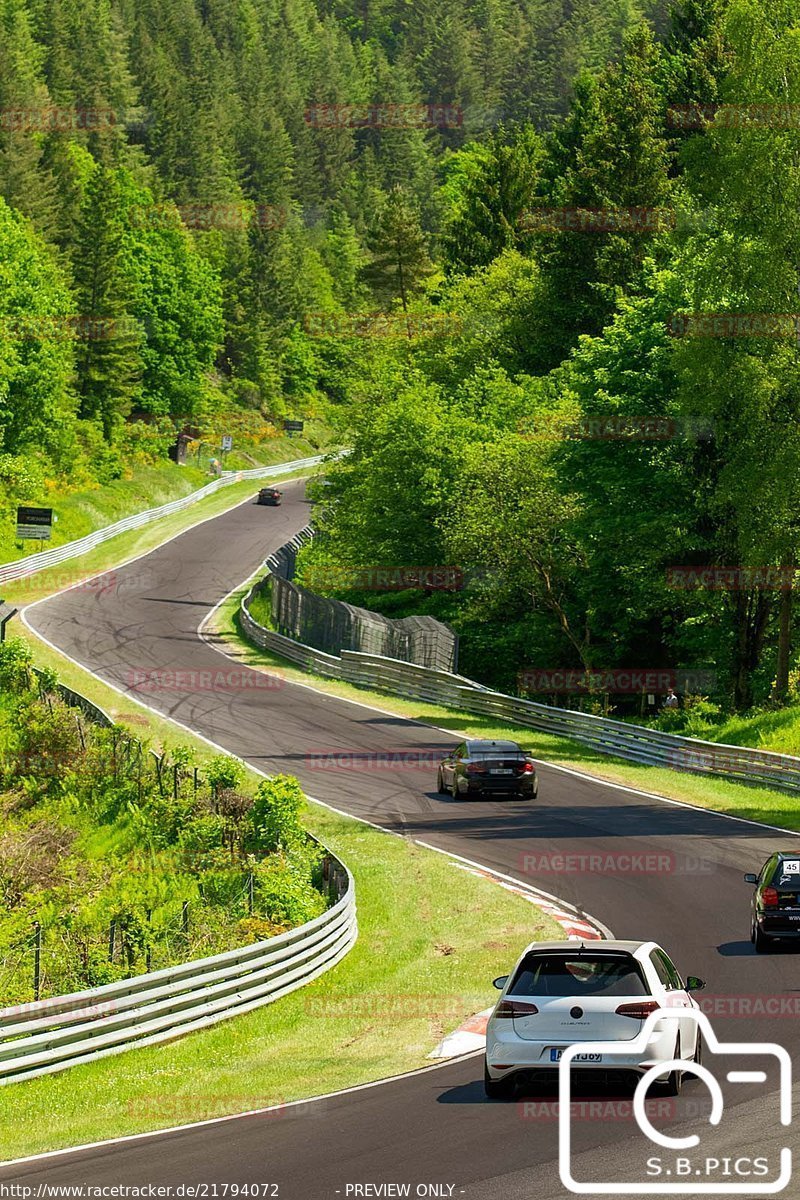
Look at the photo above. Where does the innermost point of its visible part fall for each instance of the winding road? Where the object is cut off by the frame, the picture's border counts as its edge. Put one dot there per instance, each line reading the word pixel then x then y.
pixel 432 1129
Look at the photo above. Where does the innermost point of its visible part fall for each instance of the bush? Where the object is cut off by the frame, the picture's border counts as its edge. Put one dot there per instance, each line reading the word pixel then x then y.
pixel 16 660
pixel 224 773
pixel 284 891
pixel 275 815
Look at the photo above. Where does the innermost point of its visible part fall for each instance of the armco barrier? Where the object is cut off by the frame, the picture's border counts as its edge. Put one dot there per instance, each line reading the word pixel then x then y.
pixel 51 1035
pixel 59 554
pixel 634 742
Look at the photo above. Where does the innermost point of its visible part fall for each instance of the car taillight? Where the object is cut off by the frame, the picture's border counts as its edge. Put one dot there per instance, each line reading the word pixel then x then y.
pixel 769 898
pixel 507 1009
pixel 475 769
pixel 526 769
pixel 639 1011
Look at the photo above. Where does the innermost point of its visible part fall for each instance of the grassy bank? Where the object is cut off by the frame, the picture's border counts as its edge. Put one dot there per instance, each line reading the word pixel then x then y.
pixel 431 939
pixel 758 804
pixel 82 511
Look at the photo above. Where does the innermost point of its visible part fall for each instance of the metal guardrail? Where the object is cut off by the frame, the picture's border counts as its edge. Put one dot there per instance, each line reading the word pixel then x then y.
pixel 636 743
pixel 59 554
pixel 51 1035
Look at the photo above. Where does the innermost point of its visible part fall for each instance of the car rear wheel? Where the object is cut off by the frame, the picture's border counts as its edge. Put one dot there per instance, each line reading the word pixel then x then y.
pixel 761 941
pixel 454 787
pixel 497 1089
pixel 440 788
pixel 674 1084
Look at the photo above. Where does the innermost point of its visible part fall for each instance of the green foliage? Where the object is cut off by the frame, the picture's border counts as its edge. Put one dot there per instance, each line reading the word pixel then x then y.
pixel 224 772
pixel 275 815
pixel 16 665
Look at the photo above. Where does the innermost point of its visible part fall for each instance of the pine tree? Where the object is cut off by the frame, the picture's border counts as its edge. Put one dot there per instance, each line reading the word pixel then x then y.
pixel 400 259
pixel 108 358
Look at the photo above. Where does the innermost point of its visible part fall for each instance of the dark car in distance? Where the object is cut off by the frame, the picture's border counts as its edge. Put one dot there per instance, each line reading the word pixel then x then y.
pixel 775 907
pixel 481 768
pixel 269 495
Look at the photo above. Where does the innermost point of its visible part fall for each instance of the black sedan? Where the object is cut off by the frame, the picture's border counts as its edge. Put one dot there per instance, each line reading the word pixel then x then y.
pixel 775 908
pixel 269 495
pixel 477 768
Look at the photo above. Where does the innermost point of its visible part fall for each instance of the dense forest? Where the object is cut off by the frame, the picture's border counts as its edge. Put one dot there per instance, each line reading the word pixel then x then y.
pixel 536 258
pixel 605 439
pixel 187 187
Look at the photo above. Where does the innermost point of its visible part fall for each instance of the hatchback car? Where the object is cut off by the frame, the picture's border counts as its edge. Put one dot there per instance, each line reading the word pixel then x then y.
pixel 775 907
pixel 562 993
pixel 269 495
pixel 478 768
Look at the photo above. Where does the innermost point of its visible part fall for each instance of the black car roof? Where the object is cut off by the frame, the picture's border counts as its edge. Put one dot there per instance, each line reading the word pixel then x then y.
pixel 484 744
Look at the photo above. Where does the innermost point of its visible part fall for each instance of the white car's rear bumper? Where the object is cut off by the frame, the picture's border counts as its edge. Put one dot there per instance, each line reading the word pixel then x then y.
pixel 507 1053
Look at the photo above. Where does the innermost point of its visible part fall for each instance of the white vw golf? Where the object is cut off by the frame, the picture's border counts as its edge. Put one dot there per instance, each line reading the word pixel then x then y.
pixel 561 993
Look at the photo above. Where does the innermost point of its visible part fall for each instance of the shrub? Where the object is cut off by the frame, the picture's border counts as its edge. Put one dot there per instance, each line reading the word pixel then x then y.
pixel 275 815
pixel 224 772
pixel 16 661
pixel 284 891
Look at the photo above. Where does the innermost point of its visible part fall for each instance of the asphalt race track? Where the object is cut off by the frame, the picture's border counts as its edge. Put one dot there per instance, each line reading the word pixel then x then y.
pixel 431 1128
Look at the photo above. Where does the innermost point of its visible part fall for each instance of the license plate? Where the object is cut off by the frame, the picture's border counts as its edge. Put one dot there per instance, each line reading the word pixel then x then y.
pixel 501 771
pixel 555 1056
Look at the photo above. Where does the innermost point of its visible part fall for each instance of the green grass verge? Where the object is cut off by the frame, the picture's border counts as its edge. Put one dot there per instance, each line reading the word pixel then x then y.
pixel 80 512
pixel 754 803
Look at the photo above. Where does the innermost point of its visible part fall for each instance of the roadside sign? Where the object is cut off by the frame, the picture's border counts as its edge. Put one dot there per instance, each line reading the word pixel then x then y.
pixel 227 442
pixel 293 426
pixel 34 523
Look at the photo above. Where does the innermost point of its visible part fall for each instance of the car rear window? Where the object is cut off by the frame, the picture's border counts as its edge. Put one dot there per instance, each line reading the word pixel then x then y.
pixel 584 975
pixel 504 748
pixel 787 874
